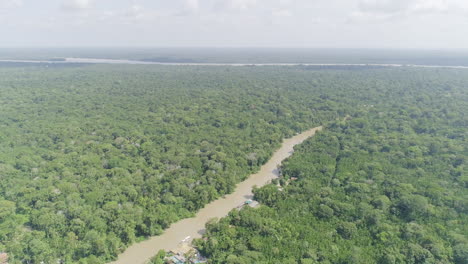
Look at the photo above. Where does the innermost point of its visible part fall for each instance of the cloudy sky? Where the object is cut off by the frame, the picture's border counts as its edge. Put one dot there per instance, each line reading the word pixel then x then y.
pixel 428 24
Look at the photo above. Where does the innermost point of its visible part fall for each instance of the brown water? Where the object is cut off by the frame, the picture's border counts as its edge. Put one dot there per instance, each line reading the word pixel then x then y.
pixel 194 227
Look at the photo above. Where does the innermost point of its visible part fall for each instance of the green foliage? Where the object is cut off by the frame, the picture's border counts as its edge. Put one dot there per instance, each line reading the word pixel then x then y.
pixel 383 187
pixel 94 158
pixel 159 258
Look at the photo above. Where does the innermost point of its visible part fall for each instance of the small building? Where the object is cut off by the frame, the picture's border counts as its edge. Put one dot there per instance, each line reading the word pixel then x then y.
pixel 185 253
pixel 177 259
pixel 251 203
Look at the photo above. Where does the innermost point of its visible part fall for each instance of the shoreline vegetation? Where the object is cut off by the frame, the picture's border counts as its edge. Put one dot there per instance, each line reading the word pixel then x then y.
pixel 387 186
pixel 184 231
pixel 95 158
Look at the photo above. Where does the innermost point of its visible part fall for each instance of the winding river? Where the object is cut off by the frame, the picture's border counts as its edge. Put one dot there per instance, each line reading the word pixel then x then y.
pixel 193 227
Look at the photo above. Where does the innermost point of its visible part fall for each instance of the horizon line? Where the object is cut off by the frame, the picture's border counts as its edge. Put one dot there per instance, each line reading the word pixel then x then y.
pixel 238 48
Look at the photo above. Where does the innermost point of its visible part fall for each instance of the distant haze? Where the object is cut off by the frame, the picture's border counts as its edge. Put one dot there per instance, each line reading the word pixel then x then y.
pixel 417 24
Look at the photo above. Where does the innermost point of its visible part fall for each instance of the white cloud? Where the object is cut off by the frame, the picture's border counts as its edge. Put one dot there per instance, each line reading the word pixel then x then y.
pixel 186 8
pixel 234 5
pixel 77 5
pixel 5 4
pixel 131 15
pixel 441 6
pixel 242 4
pixel 314 23
pixel 285 2
pixel 384 6
pixel 282 13
pixel 398 9
pixel 192 4
pixel 431 5
pixel 360 16
pixel 135 11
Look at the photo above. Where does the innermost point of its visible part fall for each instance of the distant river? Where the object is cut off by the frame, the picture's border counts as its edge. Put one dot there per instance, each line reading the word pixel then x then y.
pixel 194 227
pixel 136 62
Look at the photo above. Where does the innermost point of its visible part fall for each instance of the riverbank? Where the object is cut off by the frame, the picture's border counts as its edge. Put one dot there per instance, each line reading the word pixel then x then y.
pixel 136 62
pixel 194 227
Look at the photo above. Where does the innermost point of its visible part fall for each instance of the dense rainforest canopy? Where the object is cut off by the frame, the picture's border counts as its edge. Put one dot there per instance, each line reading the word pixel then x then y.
pixel 388 185
pixel 96 157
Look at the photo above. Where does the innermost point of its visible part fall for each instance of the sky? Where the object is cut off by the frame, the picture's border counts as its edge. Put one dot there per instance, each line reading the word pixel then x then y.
pixel 396 24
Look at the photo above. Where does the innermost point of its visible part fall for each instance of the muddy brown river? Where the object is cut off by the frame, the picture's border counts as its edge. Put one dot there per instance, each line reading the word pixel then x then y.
pixel 191 228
